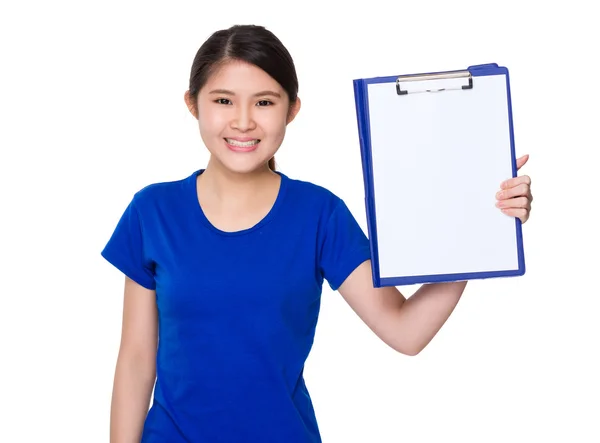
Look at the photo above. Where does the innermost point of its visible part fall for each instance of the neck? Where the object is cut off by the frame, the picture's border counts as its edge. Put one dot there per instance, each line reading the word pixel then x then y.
pixel 227 186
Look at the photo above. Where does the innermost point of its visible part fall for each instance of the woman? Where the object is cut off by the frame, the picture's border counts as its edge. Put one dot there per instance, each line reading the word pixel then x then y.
pixel 224 269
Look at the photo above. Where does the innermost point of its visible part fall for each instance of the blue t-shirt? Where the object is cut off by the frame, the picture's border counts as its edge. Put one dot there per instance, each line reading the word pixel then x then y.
pixel 237 310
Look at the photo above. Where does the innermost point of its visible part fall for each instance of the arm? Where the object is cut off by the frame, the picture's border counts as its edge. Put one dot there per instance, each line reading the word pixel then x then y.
pixel 136 368
pixel 409 325
pixel 406 325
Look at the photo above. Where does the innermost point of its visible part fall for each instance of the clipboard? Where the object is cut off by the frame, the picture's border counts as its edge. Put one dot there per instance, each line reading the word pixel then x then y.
pixel 435 148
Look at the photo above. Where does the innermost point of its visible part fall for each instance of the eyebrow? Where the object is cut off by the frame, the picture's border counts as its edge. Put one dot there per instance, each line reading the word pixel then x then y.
pixel 261 93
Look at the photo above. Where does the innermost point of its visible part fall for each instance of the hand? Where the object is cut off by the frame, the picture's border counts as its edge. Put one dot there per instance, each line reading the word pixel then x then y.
pixel 514 197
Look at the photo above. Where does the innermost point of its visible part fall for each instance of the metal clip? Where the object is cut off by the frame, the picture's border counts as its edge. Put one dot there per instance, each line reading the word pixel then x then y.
pixel 439 82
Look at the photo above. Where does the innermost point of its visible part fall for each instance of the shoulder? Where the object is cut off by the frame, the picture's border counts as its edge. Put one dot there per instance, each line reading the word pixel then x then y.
pixel 313 202
pixel 312 194
pixel 162 192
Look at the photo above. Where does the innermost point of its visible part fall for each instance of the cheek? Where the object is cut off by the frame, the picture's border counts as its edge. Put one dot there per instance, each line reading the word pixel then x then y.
pixel 211 123
pixel 274 126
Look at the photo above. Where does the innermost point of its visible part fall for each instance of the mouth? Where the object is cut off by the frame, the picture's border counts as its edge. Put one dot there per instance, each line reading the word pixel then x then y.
pixel 242 145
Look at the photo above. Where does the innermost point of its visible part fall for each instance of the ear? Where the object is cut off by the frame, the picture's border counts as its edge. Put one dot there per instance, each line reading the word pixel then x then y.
pixel 191 104
pixel 293 111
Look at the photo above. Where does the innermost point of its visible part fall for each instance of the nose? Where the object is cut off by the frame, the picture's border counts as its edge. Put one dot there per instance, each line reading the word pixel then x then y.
pixel 243 119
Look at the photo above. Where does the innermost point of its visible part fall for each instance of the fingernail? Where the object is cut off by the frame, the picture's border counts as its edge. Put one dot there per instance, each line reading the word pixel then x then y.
pixel 499 195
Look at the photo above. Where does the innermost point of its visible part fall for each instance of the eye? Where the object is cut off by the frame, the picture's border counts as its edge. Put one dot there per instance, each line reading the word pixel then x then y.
pixel 223 101
pixel 264 103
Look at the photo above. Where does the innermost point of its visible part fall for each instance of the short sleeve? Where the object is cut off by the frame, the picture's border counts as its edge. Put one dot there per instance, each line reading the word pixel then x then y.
pixel 344 246
pixel 125 249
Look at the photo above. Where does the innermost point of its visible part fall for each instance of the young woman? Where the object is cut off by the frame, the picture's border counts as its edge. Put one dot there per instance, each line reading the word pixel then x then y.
pixel 224 269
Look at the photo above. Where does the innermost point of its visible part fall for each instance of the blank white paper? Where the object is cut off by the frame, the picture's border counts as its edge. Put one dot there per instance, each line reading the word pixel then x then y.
pixel 438 160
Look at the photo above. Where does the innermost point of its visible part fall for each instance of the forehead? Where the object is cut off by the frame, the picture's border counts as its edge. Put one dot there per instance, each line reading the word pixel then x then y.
pixel 242 77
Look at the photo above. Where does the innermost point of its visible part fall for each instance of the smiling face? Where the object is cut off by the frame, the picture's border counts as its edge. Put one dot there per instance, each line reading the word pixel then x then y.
pixel 242 115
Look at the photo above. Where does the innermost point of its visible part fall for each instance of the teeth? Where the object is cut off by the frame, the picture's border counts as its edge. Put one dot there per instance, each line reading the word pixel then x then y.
pixel 242 144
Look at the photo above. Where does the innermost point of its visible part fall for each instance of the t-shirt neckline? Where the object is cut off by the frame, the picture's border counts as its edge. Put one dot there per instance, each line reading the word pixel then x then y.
pixel 193 188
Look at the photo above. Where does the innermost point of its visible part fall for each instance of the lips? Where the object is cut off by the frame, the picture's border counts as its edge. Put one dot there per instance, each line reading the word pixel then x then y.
pixel 242 144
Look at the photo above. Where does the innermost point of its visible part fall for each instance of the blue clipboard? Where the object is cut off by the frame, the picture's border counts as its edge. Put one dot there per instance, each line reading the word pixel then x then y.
pixel 434 149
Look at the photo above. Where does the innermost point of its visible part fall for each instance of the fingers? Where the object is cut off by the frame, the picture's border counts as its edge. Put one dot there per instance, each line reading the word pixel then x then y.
pixel 521 190
pixel 514 197
pixel 512 182
pixel 518 202
pixel 520 213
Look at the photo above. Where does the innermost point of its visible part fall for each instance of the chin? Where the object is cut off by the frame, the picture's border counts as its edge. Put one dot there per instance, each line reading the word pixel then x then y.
pixel 243 165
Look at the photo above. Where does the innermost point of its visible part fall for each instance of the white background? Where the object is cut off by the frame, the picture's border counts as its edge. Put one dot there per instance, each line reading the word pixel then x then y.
pixel 91 110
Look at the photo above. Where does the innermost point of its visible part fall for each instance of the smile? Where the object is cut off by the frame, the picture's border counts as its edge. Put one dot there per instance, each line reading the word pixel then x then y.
pixel 242 146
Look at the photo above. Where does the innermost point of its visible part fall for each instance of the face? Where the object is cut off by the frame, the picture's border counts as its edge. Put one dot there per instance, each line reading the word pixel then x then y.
pixel 242 115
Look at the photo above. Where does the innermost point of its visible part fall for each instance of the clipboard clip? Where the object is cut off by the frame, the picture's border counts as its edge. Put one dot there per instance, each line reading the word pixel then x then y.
pixel 445 81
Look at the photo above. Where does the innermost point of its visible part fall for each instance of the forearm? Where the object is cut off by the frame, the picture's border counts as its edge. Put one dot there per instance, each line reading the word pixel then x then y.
pixel 132 389
pixel 423 314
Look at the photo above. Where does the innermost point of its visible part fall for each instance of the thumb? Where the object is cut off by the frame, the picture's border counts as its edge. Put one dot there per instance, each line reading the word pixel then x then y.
pixel 521 161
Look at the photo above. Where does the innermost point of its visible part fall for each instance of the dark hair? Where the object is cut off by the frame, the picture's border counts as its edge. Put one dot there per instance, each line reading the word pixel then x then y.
pixel 249 43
